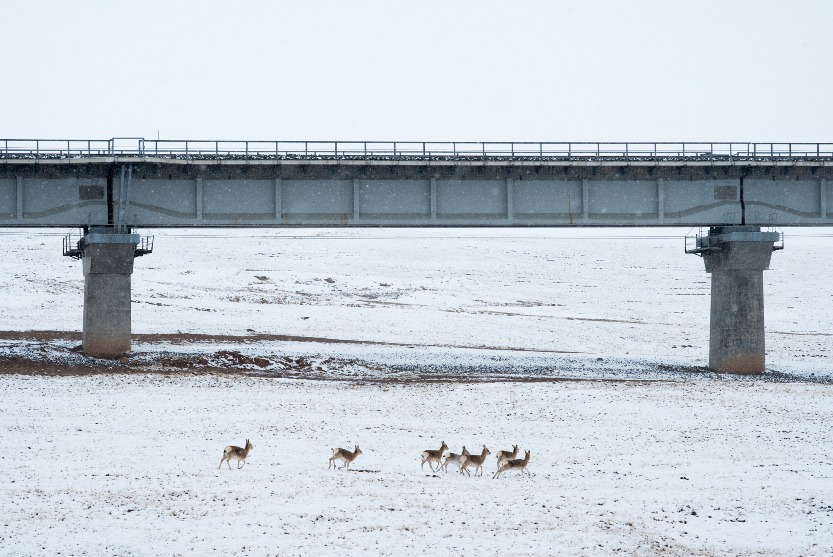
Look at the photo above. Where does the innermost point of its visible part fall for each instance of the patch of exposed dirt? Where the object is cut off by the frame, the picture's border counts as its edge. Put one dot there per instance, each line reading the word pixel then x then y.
pixel 192 338
pixel 51 353
pixel 40 357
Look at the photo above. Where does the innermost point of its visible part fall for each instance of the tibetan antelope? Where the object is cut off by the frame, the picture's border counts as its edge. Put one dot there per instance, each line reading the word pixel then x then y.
pixel 474 460
pixel 506 455
pixel 514 464
pixel 236 452
pixel 345 455
pixel 453 457
pixel 430 456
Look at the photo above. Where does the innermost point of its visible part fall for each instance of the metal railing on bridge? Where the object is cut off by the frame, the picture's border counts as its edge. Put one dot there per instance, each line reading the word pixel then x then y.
pixel 702 242
pixel 419 151
pixel 73 244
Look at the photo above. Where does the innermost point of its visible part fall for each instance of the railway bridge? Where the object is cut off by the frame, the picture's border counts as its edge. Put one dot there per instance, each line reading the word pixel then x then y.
pixel 740 192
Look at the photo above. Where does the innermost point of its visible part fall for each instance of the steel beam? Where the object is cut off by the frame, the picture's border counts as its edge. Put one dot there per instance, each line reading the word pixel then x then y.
pixel 492 193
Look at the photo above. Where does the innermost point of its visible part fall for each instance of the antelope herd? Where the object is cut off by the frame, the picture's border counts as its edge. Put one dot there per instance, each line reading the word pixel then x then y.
pixel 506 460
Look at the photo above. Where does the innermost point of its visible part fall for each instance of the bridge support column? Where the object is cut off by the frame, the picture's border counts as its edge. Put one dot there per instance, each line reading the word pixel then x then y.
pixel 108 265
pixel 736 257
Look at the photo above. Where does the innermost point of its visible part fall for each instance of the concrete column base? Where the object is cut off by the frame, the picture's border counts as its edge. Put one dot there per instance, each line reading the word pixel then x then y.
pixel 737 341
pixel 738 257
pixel 108 264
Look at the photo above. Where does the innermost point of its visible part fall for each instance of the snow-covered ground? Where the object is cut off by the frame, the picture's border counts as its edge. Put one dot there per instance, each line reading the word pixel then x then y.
pixel 127 465
pixel 661 461
pixel 629 293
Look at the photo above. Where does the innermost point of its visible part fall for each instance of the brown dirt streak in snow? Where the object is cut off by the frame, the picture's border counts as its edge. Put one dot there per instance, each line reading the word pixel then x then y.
pixel 22 366
pixel 801 334
pixel 515 314
pixel 19 366
pixel 185 338
pixel 599 320
pixel 40 335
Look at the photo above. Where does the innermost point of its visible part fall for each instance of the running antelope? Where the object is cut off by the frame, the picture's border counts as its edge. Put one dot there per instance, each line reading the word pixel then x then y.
pixel 430 456
pixel 514 464
pixel 506 455
pixel 475 460
pixel 345 455
pixel 453 457
pixel 236 452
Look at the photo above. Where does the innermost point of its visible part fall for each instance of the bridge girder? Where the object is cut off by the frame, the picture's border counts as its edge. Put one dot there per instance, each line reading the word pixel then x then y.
pixel 163 192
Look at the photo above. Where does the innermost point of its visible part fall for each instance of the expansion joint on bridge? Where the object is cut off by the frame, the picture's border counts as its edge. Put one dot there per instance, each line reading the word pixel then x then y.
pixel 742 203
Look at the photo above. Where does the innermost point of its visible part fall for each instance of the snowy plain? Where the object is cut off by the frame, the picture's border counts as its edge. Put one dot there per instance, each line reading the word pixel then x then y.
pixel 639 453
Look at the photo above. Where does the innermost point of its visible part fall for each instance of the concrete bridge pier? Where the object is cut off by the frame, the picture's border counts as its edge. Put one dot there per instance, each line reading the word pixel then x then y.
pixel 108 265
pixel 736 257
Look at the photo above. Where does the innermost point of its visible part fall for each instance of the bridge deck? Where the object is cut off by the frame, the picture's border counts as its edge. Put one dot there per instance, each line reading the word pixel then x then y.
pixel 140 183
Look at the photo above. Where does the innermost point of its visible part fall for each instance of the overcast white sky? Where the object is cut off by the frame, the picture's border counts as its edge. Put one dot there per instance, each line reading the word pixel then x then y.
pixel 428 70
